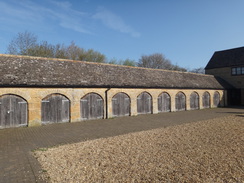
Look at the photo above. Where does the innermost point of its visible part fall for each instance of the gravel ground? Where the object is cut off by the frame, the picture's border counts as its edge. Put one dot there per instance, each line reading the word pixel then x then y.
pixel 204 151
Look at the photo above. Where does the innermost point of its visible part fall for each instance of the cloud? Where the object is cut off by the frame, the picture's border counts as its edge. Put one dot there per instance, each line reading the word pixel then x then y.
pixel 115 22
pixel 29 13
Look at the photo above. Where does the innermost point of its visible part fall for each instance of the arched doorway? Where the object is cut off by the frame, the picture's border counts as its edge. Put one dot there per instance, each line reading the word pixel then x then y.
pixel 55 109
pixel 121 105
pixel 180 102
pixel 206 100
pixel 91 107
pixel 164 102
pixel 216 99
pixel 144 103
pixel 194 101
pixel 13 111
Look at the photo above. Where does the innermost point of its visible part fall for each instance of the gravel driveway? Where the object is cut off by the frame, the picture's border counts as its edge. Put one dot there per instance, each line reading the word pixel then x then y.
pixel 203 151
pixel 17 163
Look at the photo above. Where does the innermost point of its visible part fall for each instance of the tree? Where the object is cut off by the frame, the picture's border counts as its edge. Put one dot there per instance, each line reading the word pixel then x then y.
pixel 92 56
pixel 155 61
pixel 112 61
pixel 74 52
pixel 128 62
pixel 44 49
pixel 20 44
pixel 158 61
pixel 26 44
pixel 199 70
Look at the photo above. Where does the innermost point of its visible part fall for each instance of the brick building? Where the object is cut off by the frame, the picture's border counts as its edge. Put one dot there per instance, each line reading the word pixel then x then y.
pixel 229 65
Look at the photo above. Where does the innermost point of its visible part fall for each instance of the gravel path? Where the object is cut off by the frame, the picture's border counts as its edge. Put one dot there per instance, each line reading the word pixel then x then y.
pixel 204 151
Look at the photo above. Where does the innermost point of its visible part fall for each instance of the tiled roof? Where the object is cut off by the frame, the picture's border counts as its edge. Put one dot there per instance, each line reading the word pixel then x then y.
pixel 227 58
pixel 16 71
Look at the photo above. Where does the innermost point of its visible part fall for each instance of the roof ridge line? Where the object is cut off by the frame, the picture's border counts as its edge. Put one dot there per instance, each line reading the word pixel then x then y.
pixel 96 63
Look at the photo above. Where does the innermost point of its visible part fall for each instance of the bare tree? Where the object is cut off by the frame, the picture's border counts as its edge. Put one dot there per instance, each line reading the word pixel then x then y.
pixel 20 44
pixel 74 52
pixel 155 61
pixel 199 70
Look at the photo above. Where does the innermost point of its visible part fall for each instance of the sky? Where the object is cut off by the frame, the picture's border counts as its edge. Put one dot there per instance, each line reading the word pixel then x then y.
pixel 187 32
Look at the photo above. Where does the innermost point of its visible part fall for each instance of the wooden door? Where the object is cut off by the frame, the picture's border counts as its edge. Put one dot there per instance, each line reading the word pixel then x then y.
pixel 164 102
pixel 180 102
pixel 121 105
pixel 216 99
pixel 206 100
pixel 13 111
pixel 55 109
pixel 92 107
pixel 194 101
pixel 144 103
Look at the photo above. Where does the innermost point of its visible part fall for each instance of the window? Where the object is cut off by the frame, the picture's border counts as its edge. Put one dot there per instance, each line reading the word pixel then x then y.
pixel 237 71
pixel 233 71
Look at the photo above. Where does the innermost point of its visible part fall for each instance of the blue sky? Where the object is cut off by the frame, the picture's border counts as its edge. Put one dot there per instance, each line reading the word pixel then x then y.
pixel 187 32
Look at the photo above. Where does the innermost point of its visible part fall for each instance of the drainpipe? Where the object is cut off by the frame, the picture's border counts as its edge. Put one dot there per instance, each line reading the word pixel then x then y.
pixel 106 100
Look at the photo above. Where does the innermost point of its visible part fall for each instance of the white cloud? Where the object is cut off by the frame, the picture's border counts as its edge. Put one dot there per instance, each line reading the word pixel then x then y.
pixel 27 13
pixel 114 22
pixel 30 13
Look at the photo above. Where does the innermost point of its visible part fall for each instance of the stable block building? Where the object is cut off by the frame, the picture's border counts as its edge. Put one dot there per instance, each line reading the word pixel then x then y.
pixel 36 91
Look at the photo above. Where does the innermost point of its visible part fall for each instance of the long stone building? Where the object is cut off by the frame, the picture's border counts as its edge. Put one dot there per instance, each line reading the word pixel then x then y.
pixel 36 91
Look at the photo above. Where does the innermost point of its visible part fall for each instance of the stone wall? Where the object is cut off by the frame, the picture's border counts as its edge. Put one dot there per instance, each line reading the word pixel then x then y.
pixel 34 97
pixel 225 73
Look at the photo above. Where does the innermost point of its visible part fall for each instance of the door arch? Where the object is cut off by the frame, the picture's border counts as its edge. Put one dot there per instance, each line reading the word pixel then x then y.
pixel 144 103
pixel 206 100
pixel 55 108
pixel 121 105
pixel 91 107
pixel 216 99
pixel 164 102
pixel 13 111
pixel 194 101
pixel 180 101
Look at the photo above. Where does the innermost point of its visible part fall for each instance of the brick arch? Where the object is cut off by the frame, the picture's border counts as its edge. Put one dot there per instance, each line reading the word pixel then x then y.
pixel 13 111
pixel 55 108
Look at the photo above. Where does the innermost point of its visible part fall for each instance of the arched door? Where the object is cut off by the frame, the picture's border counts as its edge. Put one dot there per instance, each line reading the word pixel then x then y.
pixel 216 99
pixel 164 102
pixel 91 107
pixel 194 101
pixel 55 109
pixel 144 103
pixel 206 100
pixel 13 111
pixel 121 105
pixel 180 102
